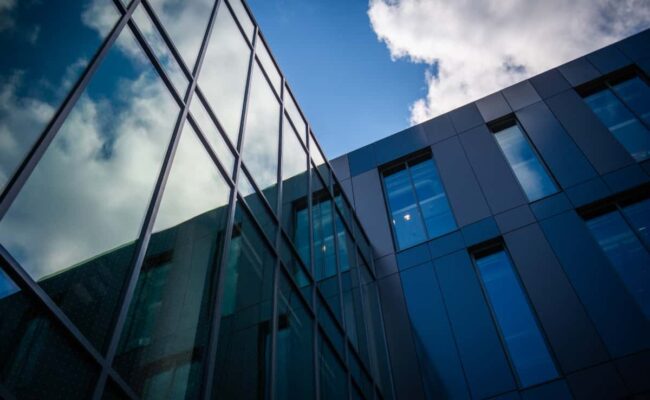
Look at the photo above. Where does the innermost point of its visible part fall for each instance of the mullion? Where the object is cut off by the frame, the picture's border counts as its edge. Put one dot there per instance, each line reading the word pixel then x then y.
pixel 215 120
pixel 260 193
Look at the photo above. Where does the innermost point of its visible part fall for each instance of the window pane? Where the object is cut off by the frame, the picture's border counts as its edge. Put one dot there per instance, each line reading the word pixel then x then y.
pixel 324 255
pixel 37 359
pixel 405 216
pixel 269 66
pixel 244 349
pixel 73 225
pixel 628 256
pixel 186 23
pixel 298 121
pixel 39 72
pixel 522 337
pixel 639 216
pixel 243 18
pixel 166 332
pixel 432 198
pixel 636 94
pixel 527 168
pixel 621 122
pixel 296 269
pixel 333 379
pixel 212 135
pixel 295 346
pixel 225 68
pixel 262 136
pixel 256 204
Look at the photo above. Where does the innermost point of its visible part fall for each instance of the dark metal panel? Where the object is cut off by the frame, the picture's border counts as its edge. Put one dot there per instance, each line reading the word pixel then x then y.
pixel 601 382
pixel 446 244
pixel 558 390
pixel 492 170
pixel 521 95
pixel 399 145
pixel 385 266
pixel 406 373
pixel 480 231
pixel 346 185
pixel 550 206
pixel 515 218
pixel 493 106
pixel 578 71
pixel 466 117
pixel 636 47
pixel 594 139
pixel 413 256
pixel 565 160
pixel 373 215
pixel 438 128
pixel 626 178
pixel 549 83
pixel 462 188
pixel 635 371
pixel 608 59
pixel 361 160
pixel 478 342
pixel 341 167
pixel 571 334
pixel 618 319
pixel 588 192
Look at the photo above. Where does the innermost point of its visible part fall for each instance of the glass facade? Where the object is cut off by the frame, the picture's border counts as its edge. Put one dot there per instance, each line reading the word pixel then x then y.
pixel 175 232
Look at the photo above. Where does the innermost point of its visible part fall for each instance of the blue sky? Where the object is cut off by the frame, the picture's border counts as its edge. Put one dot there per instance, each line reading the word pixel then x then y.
pixel 342 75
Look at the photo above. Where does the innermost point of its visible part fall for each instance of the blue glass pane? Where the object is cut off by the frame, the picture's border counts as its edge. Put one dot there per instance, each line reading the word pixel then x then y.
pixel 527 168
pixel 405 215
pixel 525 343
pixel 639 216
pixel 622 123
pixel 626 253
pixel 432 198
pixel 636 94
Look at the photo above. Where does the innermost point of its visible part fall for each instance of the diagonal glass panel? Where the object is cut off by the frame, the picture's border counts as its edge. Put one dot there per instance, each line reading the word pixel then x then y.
pixel 165 336
pixel 74 224
pixel 36 71
pixel 212 135
pixel 432 199
pixel 636 95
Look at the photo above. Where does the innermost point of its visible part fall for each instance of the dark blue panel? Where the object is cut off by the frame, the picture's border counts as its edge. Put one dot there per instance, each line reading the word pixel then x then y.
pixel 403 358
pixel 558 390
pixel 644 65
pixel 446 244
pixel 521 95
pixel 346 184
pixel 373 215
pixel 636 47
pixel 588 192
pixel 578 71
pixel 549 83
pixel 616 316
pixel 550 206
pixel 604 152
pixel 601 382
pixel 437 129
pixel 385 266
pixel 478 343
pixel 646 166
pixel 608 59
pixel 568 328
pixel 626 178
pixel 515 218
pixel 563 157
pixel 493 106
pixel 462 189
pixel 635 371
pixel 480 231
pixel 507 396
pixel 341 167
pixel 399 144
pixel 466 117
pixel 413 256
pixel 361 160
pixel 492 170
pixel 439 360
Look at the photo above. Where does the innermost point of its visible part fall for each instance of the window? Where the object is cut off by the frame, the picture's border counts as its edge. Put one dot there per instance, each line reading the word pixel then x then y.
pixel 418 205
pixel 623 105
pixel 623 232
pixel 528 168
pixel 515 319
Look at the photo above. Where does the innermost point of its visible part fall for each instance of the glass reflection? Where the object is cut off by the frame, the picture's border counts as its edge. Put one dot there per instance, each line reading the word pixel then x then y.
pixel 516 320
pixel 223 77
pixel 243 18
pixel 294 114
pixel 432 198
pixel 31 89
pixel 186 23
pixel 295 346
pixel 212 134
pixel 528 169
pixel 244 349
pixel 75 220
pixel 37 360
pixel 333 378
pixel 166 332
pixel 636 95
pixel 405 214
pixel 257 206
pixel 262 136
pixel 638 214
pixel 269 66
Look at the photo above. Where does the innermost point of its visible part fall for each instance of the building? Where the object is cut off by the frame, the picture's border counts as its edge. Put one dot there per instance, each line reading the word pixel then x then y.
pixel 170 228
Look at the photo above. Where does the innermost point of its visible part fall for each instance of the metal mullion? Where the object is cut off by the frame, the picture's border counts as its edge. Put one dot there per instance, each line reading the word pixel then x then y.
pixel 278 96
pixel 364 308
pixel 338 264
pixel 296 255
pixel 208 373
pixel 210 151
pixel 24 170
pixel 339 324
pixel 260 193
pixel 241 28
pixel 215 120
pixel 385 343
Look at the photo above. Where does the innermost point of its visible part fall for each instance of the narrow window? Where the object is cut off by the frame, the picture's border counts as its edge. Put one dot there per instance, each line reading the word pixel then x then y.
pixel 624 107
pixel 529 170
pixel 418 205
pixel 623 234
pixel 524 341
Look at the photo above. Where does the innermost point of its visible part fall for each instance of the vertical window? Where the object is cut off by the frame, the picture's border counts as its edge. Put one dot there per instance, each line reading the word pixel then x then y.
pixel 515 319
pixel 622 233
pixel 624 107
pixel 417 201
pixel 528 168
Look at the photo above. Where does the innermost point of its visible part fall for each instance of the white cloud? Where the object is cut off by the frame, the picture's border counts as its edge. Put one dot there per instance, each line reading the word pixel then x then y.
pixel 479 47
